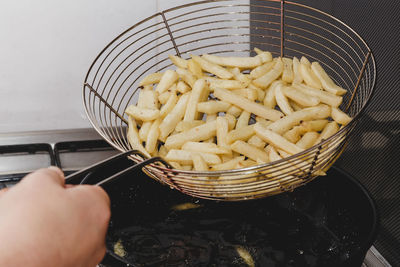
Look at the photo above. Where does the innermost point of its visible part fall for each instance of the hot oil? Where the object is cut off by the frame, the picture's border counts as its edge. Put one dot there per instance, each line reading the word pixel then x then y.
pixel 157 226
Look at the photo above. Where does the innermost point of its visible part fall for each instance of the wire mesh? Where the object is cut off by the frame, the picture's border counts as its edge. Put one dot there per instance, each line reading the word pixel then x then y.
pixel 229 27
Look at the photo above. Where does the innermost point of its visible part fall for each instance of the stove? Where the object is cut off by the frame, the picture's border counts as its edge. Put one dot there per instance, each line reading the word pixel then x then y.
pixel 71 150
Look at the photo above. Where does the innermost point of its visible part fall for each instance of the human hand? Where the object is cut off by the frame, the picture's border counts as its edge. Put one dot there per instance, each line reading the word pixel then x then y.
pixel 45 223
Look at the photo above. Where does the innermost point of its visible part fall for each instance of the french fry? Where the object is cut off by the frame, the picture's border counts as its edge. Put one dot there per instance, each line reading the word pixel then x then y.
pixel 248 105
pixel 243 120
pixel 287 73
pixel 186 76
pixel 213 68
pixel 168 79
pixel 275 139
pixel 199 164
pixel 152 137
pixel 260 92
pixel 228 165
pixel 297 78
pixel 326 82
pixel 294 134
pixel 178 61
pixel 263 121
pixel 305 61
pixel 163 98
pixel 133 137
pixel 270 100
pixel 185 157
pixel 205 147
pixel 309 77
pixel 324 97
pixel 282 101
pixel 198 133
pixel 340 117
pixel 195 68
pixel 240 62
pixel 226 84
pixel 163 151
pixel 143 114
pixel 234 111
pixel 168 107
pixel 144 130
pixel 307 140
pixel 243 134
pixel 330 129
pixel 249 151
pixel 243 78
pixel 250 94
pixel 272 154
pixel 264 55
pixel 296 106
pixel 314 125
pixel 151 78
pixel 261 70
pixel 231 121
pixel 198 95
pixel 169 123
pixel 312 113
pixel 213 107
pixel 222 131
pixel 300 97
pixel 182 87
pixel 187 125
pixel 265 80
pixel 148 99
pixel 256 141
pixel 211 117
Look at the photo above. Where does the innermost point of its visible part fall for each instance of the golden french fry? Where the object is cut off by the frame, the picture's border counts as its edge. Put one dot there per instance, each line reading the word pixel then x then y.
pixel 231 121
pixel 213 68
pixel 250 94
pixel 243 134
pixel 133 137
pixel 282 101
pixel 264 55
pixel 240 62
pixel 260 92
pixel 263 121
pixel 307 140
pixel 185 157
pixel 151 78
pixel 256 141
pixel 270 100
pixel 294 134
pixel 265 80
pixel 148 99
pixel 261 70
pixel 272 154
pixel 327 83
pixel 323 96
pixel 163 151
pixel 167 108
pixel 186 76
pixel 187 125
pixel 243 120
pixel 152 137
pixel 312 113
pixel 234 111
pixel 340 117
pixel 248 105
pixel 169 123
pixel 287 73
pixel 300 97
pixel 330 129
pixel 296 106
pixel 163 98
pixel 205 147
pixel 297 78
pixel 213 107
pixel 309 77
pixel 226 84
pixel 314 125
pixel 211 117
pixel 243 78
pixel 305 61
pixel 222 132
pixel 198 133
pixel 178 61
pixel 199 163
pixel 275 139
pixel 143 114
pixel 228 165
pixel 198 94
pixel 249 151
pixel 182 87
pixel 195 68
pixel 144 130
pixel 168 79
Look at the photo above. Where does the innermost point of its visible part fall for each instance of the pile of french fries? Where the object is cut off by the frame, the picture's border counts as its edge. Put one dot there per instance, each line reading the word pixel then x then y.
pixel 218 113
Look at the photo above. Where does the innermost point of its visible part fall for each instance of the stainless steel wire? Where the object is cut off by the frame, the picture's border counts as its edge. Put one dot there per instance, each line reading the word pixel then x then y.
pixel 230 27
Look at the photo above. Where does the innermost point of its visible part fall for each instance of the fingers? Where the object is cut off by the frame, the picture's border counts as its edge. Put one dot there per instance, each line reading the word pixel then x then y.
pixel 46 175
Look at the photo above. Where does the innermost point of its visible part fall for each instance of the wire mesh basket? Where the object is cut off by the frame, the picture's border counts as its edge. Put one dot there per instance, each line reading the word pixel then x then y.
pixel 230 28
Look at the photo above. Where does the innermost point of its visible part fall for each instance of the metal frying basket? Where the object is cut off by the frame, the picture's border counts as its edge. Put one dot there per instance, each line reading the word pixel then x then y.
pixel 226 28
